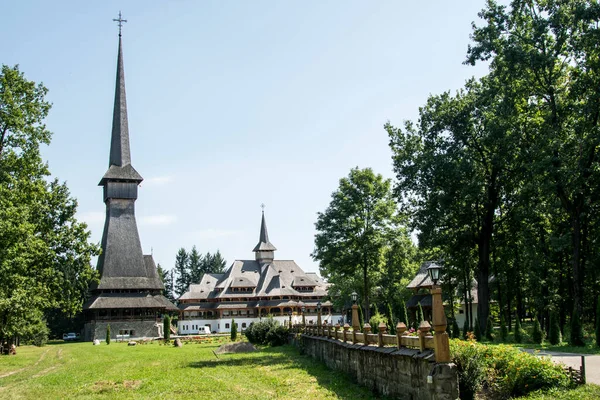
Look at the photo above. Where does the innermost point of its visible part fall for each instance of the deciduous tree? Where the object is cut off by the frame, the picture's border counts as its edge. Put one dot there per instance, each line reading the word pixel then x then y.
pixel 355 231
pixel 44 251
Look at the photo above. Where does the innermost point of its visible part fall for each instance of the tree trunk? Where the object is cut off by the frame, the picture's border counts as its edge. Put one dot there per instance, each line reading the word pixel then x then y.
pixel 575 261
pixel 484 252
pixel 366 293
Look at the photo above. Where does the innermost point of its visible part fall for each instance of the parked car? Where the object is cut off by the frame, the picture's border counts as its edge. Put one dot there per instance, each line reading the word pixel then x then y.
pixel 69 336
pixel 204 330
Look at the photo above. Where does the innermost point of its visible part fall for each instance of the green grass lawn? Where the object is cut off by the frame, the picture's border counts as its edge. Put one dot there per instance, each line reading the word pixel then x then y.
pixel 589 339
pixel 587 392
pixel 81 370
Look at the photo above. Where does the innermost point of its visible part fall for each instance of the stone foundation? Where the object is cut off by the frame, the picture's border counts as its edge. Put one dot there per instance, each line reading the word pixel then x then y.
pixel 148 329
pixel 399 373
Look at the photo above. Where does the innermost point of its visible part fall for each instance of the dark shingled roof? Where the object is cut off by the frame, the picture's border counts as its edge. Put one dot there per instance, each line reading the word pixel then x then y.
pixel 125 173
pixel 263 241
pixel 129 300
pixel 271 279
pixel 424 299
pixel 422 280
pixel 122 264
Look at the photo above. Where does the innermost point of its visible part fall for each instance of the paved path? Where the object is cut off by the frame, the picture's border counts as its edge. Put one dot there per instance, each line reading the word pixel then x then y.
pixel 592 362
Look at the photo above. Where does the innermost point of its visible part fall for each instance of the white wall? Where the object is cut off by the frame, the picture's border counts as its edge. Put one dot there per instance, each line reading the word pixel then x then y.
pixel 188 326
pixel 460 318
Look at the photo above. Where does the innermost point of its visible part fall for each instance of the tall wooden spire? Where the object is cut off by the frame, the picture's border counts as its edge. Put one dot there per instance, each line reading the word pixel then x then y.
pixel 120 154
pixel 121 263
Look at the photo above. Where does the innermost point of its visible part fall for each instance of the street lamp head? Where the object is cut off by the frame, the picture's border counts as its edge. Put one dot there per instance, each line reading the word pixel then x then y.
pixel 290 313
pixel 354 297
pixel 434 272
pixel 319 306
pixel 303 309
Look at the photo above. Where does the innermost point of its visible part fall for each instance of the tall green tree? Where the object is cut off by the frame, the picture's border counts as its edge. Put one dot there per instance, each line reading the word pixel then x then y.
pixel 214 263
pixel 195 265
pixel 454 168
pixel 548 52
pixel 355 230
pixel 166 276
pixel 44 251
pixel 183 279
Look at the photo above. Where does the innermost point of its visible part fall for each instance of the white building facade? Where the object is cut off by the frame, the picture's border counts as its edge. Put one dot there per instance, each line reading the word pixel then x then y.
pixel 251 290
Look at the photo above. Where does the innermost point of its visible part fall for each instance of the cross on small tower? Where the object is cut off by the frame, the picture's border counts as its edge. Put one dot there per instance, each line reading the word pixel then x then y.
pixel 120 22
pixel 263 206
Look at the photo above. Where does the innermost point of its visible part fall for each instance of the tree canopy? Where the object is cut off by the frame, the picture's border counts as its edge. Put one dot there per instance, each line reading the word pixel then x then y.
pixel 503 175
pixel 191 266
pixel 360 235
pixel 44 251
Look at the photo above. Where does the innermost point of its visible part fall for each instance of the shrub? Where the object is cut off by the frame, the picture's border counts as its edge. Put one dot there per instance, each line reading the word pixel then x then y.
pixel 233 330
pixel 506 371
pixel 37 333
pixel 576 338
pixel 267 332
pixel 376 320
pixel 277 336
pixel 537 335
pixel 167 328
pixel 554 335
pixel 390 320
pixel 470 366
pixel 419 316
pixel 503 328
pixel 404 314
pixel 489 329
pixel 455 330
pixel 108 334
pixel 518 330
pixel 477 330
pixel 465 329
pixel 598 322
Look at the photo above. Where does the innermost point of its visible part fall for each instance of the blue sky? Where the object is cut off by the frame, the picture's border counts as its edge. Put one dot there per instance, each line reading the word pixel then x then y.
pixel 233 104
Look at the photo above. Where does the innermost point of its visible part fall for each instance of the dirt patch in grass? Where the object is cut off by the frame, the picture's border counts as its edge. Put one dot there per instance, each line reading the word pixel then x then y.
pixel 109 386
pixel 239 347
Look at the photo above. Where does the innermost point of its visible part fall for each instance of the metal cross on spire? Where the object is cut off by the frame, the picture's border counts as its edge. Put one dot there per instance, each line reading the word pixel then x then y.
pixel 120 22
pixel 263 206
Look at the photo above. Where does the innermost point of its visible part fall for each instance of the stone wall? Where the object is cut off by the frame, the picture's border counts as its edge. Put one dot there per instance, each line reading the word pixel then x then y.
pixel 400 373
pixel 142 329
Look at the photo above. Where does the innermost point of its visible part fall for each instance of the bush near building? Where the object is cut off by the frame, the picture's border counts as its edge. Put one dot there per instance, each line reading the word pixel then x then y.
pixel 267 332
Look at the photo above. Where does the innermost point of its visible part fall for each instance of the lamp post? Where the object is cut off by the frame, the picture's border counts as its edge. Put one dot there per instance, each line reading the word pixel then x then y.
pixel 290 315
pixel 318 318
pixel 303 317
pixel 355 321
pixel 442 344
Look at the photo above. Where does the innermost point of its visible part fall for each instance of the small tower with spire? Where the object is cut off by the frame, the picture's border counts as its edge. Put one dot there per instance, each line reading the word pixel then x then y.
pixel 264 250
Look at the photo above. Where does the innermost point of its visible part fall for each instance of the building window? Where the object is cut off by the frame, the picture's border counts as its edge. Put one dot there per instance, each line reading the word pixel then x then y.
pixel 243 324
pixel 226 326
pixel 461 311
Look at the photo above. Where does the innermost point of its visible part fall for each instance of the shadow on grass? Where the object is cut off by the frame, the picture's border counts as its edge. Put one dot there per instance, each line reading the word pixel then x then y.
pixel 288 357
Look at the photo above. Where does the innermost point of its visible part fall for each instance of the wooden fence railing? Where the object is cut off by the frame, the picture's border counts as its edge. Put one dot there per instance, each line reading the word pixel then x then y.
pixel 423 340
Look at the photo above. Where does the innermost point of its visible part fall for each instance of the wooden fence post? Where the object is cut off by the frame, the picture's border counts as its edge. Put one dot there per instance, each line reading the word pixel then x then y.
pixel 400 329
pixel 382 331
pixel 424 329
pixel 366 331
